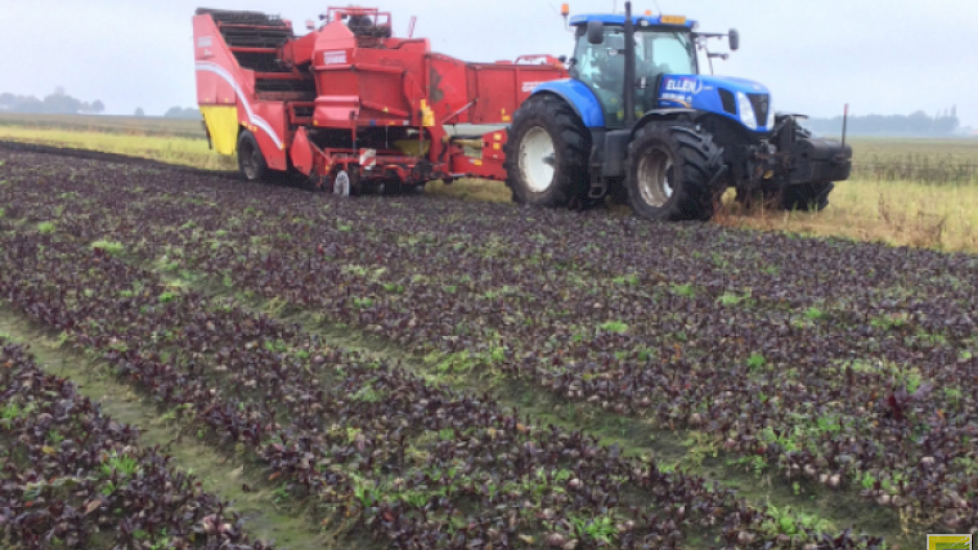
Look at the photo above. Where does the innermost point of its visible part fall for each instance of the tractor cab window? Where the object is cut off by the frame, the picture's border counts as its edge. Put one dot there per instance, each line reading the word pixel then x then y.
pixel 664 53
pixel 602 67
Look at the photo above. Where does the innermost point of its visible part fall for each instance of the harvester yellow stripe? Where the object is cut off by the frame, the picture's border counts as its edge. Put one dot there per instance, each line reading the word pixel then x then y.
pixel 222 124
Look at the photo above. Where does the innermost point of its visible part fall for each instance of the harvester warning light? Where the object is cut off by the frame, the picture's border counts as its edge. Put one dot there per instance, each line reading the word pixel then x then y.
pixel 950 542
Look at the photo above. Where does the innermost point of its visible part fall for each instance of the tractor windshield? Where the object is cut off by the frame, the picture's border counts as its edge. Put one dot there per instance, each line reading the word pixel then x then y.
pixel 657 51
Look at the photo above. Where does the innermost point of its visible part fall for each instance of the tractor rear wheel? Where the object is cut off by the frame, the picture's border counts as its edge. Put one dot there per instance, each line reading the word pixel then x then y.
pixel 672 172
pixel 547 153
pixel 809 196
pixel 251 162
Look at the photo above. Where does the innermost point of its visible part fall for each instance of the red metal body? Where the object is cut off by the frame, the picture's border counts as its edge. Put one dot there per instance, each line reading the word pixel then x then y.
pixel 350 96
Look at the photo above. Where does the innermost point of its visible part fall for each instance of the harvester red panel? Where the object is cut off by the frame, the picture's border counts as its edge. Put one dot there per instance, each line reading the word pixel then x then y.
pixel 350 89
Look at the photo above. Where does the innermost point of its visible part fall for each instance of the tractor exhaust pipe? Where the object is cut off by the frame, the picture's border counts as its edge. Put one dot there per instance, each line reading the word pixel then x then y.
pixel 628 95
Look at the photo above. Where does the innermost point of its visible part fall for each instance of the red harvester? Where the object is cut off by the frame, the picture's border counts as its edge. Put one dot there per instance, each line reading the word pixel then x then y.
pixel 350 106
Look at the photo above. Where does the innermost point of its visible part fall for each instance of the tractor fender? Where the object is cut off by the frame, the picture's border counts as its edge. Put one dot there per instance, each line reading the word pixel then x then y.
pixel 578 96
pixel 660 114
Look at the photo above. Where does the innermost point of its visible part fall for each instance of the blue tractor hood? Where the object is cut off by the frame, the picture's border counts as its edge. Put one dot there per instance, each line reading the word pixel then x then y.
pixel 746 102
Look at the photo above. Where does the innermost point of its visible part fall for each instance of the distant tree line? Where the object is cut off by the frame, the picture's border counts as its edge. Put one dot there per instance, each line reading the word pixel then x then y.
pixel 58 103
pixel 180 112
pixel 916 124
pixel 174 112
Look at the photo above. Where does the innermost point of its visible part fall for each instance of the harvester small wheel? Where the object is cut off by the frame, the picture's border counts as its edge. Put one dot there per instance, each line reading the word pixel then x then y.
pixel 251 162
pixel 547 153
pixel 672 172
pixel 341 184
pixel 807 197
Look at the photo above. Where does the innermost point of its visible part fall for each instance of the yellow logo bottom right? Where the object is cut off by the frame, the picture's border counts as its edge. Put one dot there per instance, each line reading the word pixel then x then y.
pixel 950 542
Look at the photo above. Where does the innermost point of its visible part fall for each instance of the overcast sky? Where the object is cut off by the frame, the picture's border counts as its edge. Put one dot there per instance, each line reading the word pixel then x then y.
pixel 891 57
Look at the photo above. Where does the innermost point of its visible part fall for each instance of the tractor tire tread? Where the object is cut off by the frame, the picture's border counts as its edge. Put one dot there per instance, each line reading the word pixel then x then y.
pixel 572 143
pixel 807 197
pixel 701 160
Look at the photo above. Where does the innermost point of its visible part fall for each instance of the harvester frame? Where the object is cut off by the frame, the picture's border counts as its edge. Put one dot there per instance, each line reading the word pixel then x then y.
pixel 350 102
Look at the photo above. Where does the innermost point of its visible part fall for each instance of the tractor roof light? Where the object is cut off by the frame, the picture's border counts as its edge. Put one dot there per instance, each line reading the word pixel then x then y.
pixel 565 9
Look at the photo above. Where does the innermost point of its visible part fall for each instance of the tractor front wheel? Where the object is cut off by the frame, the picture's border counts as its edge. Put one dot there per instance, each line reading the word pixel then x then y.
pixel 672 172
pixel 251 162
pixel 808 197
pixel 547 153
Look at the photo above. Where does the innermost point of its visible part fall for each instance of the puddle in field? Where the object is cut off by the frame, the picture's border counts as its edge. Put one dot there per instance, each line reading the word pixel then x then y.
pixel 268 517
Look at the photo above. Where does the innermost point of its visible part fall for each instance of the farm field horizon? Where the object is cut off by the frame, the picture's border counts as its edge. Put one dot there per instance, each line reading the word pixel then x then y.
pixel 918 192
pixel 431 372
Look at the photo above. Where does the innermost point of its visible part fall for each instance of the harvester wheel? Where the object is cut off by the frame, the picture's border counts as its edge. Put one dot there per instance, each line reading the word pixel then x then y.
pixel 341 184
pixel 547 153
pixel 251 163
pixel 808 197
pixel 673 172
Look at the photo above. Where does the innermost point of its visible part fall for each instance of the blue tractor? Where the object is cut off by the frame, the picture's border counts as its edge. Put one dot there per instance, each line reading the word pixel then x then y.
pixel 638 121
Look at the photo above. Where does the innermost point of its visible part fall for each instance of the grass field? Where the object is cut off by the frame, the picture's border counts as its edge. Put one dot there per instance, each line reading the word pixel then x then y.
pixel 175 149
pixel 913 192
pixel 125 125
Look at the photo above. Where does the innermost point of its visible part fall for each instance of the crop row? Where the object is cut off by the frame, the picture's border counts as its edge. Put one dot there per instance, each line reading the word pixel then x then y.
pixel 374 446
pixel 71 477
pixel 925 287
pixel 871 393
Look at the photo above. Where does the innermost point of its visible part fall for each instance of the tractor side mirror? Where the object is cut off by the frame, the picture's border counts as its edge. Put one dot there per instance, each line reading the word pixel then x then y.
pixel 734 40
pixel 595 32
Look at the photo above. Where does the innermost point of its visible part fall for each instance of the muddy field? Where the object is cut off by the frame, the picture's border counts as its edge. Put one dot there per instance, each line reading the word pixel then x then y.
pixel 422 372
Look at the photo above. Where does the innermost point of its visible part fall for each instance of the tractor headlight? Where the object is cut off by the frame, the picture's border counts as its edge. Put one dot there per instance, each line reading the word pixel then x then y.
pixel 770 114
pixel 747 115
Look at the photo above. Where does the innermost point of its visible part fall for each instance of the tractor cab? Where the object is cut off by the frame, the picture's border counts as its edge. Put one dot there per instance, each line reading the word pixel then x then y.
pixel 663 45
